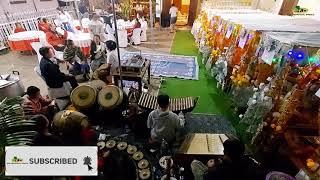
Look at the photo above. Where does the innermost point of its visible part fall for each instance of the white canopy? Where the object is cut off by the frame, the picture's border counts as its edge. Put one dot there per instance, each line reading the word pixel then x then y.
pixel 68 0
pixel 272 22
pixel 302 39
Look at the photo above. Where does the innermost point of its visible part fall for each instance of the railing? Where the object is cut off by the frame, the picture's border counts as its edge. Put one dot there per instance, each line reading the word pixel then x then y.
pixel 227 4
pixel 29 20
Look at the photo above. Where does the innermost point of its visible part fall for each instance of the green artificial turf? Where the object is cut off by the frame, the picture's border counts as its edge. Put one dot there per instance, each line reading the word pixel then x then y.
pixel 212 100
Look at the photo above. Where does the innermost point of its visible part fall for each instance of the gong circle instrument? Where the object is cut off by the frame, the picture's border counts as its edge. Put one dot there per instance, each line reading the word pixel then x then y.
pixel 84 96
pixel 110 97
pixel 142 165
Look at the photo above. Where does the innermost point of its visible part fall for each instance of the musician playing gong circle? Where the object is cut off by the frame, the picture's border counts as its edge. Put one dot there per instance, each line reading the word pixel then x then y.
pixel 163 123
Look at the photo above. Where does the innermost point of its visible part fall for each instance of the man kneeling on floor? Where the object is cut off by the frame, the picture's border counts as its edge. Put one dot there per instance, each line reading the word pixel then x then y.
pixel 164 124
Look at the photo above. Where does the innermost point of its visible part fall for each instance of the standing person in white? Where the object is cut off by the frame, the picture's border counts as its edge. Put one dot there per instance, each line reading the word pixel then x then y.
pixel 173 12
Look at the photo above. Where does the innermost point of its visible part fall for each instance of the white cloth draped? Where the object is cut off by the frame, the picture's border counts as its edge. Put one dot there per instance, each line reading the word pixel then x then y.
pixel 27 35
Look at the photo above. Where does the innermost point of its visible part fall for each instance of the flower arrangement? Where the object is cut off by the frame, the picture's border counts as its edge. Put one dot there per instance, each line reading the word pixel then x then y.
pixel 259 105
pixel 240 80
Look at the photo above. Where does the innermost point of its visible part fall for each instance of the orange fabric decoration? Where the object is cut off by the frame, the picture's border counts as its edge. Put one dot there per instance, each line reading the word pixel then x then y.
pixel 22 45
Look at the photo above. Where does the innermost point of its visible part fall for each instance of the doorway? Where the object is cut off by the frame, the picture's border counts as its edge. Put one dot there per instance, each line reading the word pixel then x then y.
pixel 183 15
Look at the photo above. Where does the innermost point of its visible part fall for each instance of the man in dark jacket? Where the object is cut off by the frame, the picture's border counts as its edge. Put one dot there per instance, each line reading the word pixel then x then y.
pixel 50 71
pixel 233 166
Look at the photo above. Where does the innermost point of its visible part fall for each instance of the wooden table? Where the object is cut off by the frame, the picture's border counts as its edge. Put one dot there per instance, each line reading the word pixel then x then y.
pixel 134 76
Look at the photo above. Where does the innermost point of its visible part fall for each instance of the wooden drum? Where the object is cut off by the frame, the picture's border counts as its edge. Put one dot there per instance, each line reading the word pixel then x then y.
pixel 84 97
pixel 110 97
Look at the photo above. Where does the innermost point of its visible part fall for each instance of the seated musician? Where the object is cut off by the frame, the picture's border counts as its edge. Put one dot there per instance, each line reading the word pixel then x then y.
pixel 35 104
pixel 117 165
pixel 50 71
pixel 77 62
pixel 43 136
pixel 163 123
pixel 233 166
pixel 97 53
pixel 19 28
pixel 136 120
pixel 73 128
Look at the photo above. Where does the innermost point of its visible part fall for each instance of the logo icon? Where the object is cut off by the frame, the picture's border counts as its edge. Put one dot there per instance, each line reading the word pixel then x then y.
pixel 87 161
pixel 16 160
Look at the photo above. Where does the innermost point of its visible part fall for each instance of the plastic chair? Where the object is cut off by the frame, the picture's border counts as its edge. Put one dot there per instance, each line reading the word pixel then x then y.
pixel 57 22
pixel 36 47
pixel 144 27
pixel 123 39
pixel 110 33
pixel 136 38
pixel 58 94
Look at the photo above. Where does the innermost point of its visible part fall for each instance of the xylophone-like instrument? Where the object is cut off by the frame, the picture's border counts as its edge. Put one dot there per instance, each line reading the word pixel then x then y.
pixel 185 104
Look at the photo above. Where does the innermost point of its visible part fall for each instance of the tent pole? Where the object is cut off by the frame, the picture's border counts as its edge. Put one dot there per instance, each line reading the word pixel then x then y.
pixel 117 41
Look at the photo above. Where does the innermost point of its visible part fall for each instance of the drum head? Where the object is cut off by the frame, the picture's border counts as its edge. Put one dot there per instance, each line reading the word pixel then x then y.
pixel 83 97
pixel 110 97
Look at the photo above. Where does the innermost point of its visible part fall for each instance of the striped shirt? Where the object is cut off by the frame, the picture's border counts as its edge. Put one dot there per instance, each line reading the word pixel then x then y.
pixel 32 107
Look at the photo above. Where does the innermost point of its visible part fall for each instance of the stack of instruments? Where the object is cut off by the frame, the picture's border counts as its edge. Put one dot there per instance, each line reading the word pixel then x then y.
pixel 185 104
pixel 133 65
pixel 97 95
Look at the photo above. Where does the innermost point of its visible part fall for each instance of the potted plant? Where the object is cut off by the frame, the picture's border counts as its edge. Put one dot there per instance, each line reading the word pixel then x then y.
pixel 14 129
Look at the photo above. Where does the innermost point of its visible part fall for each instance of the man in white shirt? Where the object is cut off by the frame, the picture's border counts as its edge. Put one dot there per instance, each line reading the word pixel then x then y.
pixel 66 19
pixel 173 12
pixel 96 27
pixel 163 123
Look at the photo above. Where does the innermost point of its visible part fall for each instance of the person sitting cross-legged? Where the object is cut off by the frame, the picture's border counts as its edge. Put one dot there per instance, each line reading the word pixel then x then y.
pixel 77 62
pixel 164 124
pixel 233 166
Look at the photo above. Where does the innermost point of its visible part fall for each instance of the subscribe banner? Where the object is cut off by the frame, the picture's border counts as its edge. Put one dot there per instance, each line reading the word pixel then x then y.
pixel 51 161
